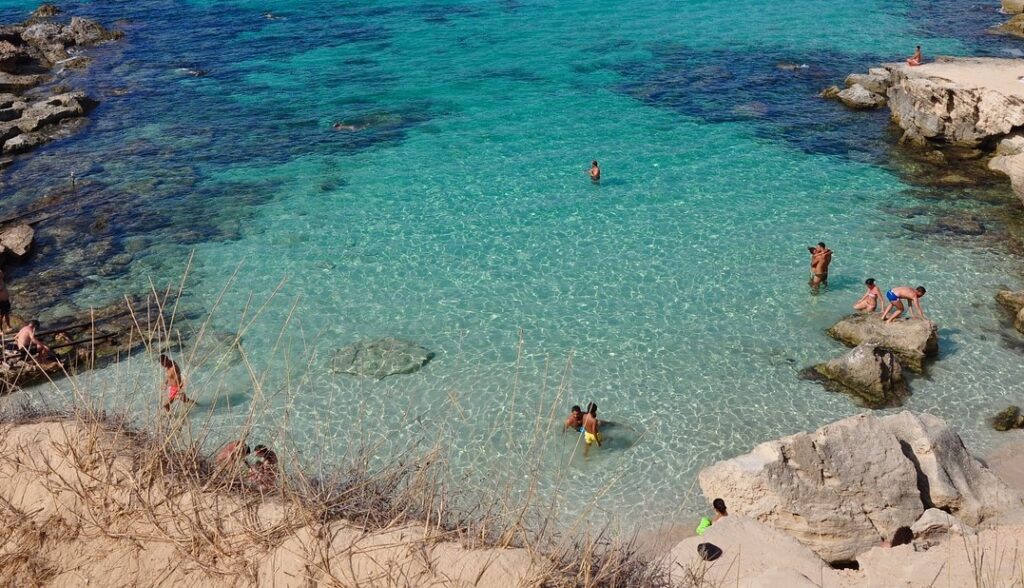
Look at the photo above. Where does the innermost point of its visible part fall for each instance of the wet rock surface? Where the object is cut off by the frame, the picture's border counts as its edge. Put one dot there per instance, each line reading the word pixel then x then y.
pixel 380 358
pixel 16 242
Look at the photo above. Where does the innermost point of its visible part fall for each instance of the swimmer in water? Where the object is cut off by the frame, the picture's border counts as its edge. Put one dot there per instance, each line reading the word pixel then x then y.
pixel 575 420
pixel 595 172
pixel 344 127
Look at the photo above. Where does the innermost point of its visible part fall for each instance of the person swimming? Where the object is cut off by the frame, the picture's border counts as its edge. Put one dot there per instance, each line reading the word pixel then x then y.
pixel 575 420
pixel 595 172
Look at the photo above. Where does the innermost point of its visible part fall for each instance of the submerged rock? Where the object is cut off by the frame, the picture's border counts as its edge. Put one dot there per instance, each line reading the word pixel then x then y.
pixel 830 93
pixel 45 11
pixel 860 98
pixel 842 488
pixel 16 241
pixel 380 358
pixel 912 340
pixel 1008 418
pixel 869 373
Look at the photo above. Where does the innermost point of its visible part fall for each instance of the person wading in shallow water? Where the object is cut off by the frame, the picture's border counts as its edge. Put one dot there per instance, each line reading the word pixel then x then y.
pixel 590 432
pixel 174 383
pixel 821 257
pixel 595 172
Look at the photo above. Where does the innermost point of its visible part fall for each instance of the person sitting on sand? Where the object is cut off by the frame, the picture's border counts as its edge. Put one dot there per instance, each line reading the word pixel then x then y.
pixel 821 257
pixel 264 472
pixel 915 59
pixel 902 536
pixel 26 342
pixel 897 295
pixel 5 305
pixel 869 301
pixel 233 454
pixel 720 513
pixel 173 382
pixel 574 420
pixel 590 432
pixel 595 172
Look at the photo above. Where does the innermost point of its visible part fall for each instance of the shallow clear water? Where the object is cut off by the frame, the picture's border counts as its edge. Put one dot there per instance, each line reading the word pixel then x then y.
pixel 458 213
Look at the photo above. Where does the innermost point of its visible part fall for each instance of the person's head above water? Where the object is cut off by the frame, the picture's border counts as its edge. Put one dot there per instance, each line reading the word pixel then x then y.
pixel 592 409
pixel 719 505
pixel 821 244
pixel 869 282
pixel 576 409
pixel 594 163
pixel 920 290
pixel 165 361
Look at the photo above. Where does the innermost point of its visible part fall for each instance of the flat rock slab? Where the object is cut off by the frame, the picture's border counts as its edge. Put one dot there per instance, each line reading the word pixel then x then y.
pixel 912 340
pixel 380 358
pixel 16 241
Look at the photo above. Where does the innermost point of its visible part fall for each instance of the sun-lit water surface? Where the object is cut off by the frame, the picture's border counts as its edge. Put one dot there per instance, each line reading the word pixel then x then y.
pixel 455 212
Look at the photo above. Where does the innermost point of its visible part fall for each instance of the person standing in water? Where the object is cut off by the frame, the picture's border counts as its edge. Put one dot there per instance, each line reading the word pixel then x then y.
pixel 575 420
pixel 595 172
pixel 821 257
pixel 590 432
pixel 869 301
pixel 897 295
pixel 173 382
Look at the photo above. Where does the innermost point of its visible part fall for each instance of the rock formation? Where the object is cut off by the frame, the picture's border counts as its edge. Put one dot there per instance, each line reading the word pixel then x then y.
pixel 912 340
pixel 16 242
pixel 848 485
pixel 1008 418
pixel 869 373
pixel 380 358
pixel 1012 6
pixel 1014 302
pixel 32 54
pixel 860 98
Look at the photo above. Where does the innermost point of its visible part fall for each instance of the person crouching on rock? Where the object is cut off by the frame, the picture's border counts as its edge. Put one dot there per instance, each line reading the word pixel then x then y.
pixel 869 301
pixel 915 59
pixel 174 383
pixel 897 295
pixel 27 343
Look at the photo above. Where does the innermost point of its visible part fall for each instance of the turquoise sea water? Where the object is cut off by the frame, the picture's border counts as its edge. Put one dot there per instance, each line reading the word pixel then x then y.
pixel 458 215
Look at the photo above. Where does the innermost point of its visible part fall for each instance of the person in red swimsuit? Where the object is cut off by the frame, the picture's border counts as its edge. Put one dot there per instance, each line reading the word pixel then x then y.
pixel 175 385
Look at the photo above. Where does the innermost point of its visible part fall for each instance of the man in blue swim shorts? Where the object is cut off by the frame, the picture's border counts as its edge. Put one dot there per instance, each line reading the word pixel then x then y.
pixel 896 296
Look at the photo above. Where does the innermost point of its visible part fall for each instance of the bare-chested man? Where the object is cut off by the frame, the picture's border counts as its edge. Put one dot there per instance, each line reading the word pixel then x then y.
pixel 590 433
pixel 821 257
pixel 595 172
pixel 5 305
pixel 27 342
pixel 575 419
pixel 897 295
pixel 174 383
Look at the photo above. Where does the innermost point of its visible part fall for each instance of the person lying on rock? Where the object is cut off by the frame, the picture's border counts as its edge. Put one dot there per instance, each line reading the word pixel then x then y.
pixel 915 59
pixel 28 344
pixel 896 296
pixel 869 301
pixel 174 383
